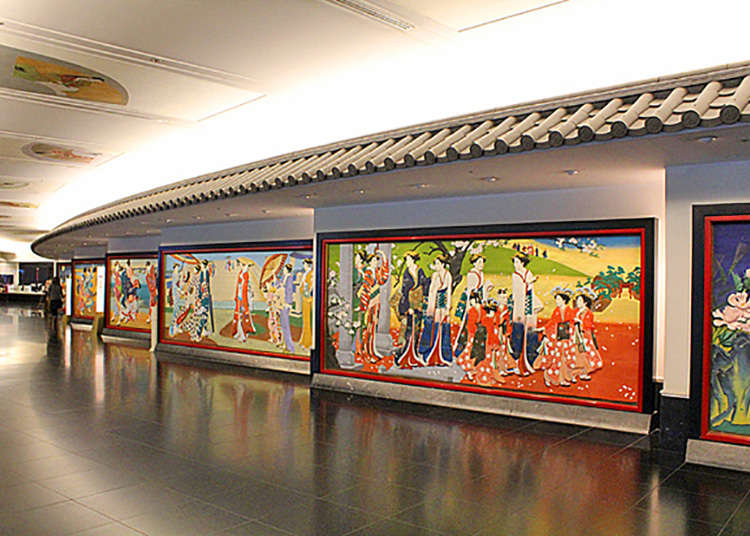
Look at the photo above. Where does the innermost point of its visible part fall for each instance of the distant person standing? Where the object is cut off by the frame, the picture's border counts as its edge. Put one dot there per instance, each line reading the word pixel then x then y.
pixel 54 299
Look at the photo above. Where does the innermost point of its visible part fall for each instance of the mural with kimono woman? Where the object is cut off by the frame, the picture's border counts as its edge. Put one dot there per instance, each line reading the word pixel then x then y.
pixel 726 382
pixel 250 300
pixel 131 292
pixel 85 275
pixel 555 315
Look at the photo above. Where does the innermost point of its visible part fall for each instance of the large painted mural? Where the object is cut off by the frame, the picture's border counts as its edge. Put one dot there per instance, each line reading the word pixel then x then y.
pixel 131 292
pixel 255 299
pixel 555 315
pixel 725 352
pixel 86 288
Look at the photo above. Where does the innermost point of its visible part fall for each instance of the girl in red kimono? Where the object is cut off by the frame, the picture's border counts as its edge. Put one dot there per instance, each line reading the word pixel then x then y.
pixel 376 273
pixel 587 348
pixel 501 359
pixel 559 359
pixel 472 347
pixel 151 284
pixel 243 296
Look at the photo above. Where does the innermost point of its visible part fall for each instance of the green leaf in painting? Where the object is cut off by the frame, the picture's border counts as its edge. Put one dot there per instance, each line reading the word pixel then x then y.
pixel 737 282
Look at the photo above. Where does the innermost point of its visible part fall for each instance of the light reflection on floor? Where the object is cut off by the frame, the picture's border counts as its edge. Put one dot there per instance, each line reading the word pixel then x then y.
pixel 104 438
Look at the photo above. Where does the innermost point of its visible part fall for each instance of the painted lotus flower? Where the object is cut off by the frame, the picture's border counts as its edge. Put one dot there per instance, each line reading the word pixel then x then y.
pixel 736 315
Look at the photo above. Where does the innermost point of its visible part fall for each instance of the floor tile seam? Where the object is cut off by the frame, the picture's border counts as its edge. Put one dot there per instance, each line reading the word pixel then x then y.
pixel 355 531
pixel 734 513
pixel 104 514
pixel 258 521
pixel 719 526
pixel 64 499
pixel 116 487
pixel 72 501
pixel 245 518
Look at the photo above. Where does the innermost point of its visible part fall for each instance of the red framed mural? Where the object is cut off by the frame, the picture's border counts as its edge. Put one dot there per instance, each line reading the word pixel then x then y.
pixel 720 371
pixel 132 291
pixel 559 312
pixel 253 298
pixel 88 278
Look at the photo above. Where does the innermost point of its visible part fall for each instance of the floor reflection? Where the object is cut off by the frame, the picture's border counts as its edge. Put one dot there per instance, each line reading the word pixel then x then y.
pixel 123 443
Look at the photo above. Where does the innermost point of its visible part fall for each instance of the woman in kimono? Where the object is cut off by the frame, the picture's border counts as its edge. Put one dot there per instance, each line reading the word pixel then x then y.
pixel 524 316
pixel 472 337
pixel 414 287
pixel 435 343
pixel 376 273
pixel 559 359
pixel 589 358
pixel 152 288
pixel 117 289
pixel 243 299
pixel 273 303
pixel 474 283
pixel 306 289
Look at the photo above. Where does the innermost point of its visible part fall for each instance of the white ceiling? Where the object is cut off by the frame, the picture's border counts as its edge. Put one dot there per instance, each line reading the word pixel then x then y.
pixel 211 84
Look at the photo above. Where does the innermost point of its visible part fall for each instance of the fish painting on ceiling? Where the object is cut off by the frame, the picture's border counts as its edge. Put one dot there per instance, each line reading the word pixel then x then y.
pixel 26 71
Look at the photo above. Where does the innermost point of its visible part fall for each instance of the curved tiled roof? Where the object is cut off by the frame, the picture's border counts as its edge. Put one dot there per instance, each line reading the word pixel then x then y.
pixel 695 100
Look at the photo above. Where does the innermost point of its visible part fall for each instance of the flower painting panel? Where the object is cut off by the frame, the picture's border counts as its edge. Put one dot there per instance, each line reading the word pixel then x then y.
pixel 555 316
pixel 256 301
pixel 132 292
pixel 727 350
pixel 85 288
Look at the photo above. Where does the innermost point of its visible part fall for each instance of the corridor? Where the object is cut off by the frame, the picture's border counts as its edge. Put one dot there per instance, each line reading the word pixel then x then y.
pixel 102 439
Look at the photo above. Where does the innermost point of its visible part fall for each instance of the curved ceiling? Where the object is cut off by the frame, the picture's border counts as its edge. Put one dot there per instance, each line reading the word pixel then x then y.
pixel 211 85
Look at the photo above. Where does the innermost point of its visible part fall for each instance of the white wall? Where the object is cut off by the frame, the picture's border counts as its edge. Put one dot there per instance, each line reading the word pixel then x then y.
pixel 10 268
pixel 687 185
pixel 619 201
pixel 300 228
pixel 136 244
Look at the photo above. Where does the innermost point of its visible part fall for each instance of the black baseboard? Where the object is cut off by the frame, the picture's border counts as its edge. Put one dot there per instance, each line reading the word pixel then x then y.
pixel 674 422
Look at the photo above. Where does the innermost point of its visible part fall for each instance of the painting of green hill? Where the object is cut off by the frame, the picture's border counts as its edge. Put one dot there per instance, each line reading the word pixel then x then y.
pixel 499 259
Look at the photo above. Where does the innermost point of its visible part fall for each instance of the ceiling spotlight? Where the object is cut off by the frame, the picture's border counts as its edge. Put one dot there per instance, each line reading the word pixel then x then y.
pixel 420 186
pixel 361 192
pixel 571 172
pixel 265 211
pixel 490 179
pixel 197 217
pixel 706 139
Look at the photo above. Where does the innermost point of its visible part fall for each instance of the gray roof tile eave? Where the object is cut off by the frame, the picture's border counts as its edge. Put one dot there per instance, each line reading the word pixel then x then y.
pixel 665 104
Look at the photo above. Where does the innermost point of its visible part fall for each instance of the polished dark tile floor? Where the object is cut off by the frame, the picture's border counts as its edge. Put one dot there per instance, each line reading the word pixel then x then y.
pixel 102 440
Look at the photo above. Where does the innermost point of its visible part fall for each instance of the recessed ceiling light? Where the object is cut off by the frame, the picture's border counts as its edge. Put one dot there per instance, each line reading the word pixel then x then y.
pixel 231 214
pixel 309 196
pixel 706 139
pixel 361 192
pixel 265 211
pixel 420 186
pixel 490 179
pixel 571 172
pixel 168 220
pixel 197 217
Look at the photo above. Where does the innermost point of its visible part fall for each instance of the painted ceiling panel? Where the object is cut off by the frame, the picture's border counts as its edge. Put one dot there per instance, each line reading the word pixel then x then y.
pixel 119 86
